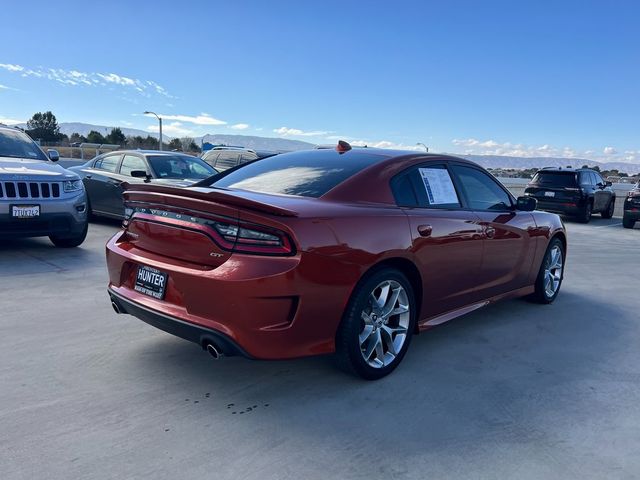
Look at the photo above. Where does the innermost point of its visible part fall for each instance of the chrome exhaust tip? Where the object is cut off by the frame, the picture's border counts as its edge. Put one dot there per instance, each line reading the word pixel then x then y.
pixel 115 307
pixel 214 351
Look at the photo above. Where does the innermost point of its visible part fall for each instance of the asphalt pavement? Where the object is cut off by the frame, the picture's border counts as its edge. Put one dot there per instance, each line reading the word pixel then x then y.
pixel 515 390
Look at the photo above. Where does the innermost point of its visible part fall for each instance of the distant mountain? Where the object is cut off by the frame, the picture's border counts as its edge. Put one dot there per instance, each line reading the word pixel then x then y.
pixel 256 143
pixel 499 161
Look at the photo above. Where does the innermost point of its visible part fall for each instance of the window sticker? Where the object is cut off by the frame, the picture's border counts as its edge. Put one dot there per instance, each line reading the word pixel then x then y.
pixel 439 186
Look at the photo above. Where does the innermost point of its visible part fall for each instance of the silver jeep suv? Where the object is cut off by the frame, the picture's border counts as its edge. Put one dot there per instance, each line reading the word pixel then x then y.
pixel 37 197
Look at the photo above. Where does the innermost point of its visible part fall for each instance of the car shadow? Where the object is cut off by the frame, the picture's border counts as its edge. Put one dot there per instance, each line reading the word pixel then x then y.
pixel 510 369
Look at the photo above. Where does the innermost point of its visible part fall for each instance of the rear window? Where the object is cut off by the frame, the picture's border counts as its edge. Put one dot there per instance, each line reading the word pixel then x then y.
pixel 305 174
pixel 555 179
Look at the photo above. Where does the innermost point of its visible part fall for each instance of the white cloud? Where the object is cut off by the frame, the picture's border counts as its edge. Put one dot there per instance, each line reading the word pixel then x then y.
pixel 472 146
pixel 11 121
pixel 295 132
pixel 202 119
pixel 90 79
pixel 240 126
pixel 384 144
pixel 175 129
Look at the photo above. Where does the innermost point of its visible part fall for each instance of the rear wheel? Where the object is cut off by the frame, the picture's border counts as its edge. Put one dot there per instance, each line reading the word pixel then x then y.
pixel 70 242
pixel 585 215
pixel 551 273
pixel 608 213
pixel 377 326
pixel 628 222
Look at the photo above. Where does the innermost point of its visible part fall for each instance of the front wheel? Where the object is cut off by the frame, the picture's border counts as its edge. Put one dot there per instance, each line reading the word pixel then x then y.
pixel 608 213
pixel 551 273
pixel 70 242
pixel 377 326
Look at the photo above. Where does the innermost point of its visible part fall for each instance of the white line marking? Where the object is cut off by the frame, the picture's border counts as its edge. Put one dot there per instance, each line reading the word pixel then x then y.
pixel 612 225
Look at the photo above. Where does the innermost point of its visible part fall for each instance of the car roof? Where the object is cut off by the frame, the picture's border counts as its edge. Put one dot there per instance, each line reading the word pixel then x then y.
pixel 149 152
pixel 566 170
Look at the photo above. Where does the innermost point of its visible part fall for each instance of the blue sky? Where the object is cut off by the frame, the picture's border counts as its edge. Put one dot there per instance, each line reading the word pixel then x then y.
pixel 524 78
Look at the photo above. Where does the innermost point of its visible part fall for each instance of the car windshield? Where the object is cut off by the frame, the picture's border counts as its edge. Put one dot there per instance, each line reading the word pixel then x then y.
pixel 556 179
pixel 180 167
pixel 16 144
pixel 305 174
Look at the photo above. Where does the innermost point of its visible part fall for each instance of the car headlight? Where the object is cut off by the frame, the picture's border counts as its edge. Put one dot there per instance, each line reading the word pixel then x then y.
pixel 72 185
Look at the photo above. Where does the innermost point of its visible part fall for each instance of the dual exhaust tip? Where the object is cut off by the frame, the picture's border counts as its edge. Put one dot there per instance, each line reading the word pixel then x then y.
pixel 215 351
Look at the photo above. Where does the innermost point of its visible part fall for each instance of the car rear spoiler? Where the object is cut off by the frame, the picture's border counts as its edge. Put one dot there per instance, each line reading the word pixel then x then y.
pixel 163 194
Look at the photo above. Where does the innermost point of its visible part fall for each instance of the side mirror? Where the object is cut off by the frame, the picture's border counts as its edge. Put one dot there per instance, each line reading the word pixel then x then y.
pixel 608 184
pixel 54 156
pixel 141 174
pixel 526 204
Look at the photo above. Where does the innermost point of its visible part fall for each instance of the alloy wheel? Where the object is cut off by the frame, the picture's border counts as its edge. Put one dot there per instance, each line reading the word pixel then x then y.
pixel 384 324
pixel 553 271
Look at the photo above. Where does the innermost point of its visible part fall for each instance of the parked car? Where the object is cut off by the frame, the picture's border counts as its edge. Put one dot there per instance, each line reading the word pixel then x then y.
pixel 575 192
pixel 224 157
pixel 37 197
pixel 104 175
pixel 321 251
pixel 632 207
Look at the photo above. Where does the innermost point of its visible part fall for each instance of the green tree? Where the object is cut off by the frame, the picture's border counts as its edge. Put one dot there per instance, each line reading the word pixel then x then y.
pixel 95 137
pixel 175 144
pixel 151 142
pixel 116 137
pixel 44 127
pixel 77 138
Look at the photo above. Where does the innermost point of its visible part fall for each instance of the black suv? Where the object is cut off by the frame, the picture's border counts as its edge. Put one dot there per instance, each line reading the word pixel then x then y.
pixel 632 207
pixel 576 192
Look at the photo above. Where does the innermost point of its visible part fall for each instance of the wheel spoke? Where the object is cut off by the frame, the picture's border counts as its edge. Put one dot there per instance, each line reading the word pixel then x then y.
pixel 391 302
pixel 366 318
pixel 365 334
pixel 387 338
pixel 372 346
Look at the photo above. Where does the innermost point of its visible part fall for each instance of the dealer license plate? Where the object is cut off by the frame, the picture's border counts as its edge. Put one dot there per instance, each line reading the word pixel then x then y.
pixel 151 281
pixel 25 211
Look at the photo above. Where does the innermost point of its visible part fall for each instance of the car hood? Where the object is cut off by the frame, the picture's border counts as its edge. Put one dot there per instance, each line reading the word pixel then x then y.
pixel 16 169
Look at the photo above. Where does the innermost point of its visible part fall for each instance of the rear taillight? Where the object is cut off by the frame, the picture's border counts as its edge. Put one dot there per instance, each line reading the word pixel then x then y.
pixel 229 234
pixel 254 239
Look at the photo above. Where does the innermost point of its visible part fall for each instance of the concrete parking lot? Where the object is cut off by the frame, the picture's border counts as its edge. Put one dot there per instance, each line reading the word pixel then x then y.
pixel 516 390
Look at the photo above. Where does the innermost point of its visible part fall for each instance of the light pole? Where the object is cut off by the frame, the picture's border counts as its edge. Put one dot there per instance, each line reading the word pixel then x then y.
pixel 160 123
pixel 425 147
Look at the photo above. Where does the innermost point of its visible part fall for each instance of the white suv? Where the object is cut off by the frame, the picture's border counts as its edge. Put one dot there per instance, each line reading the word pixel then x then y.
pixel 37 197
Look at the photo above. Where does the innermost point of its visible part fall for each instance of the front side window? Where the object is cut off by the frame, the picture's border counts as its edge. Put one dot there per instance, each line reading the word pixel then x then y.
pixel 131 163
pixel 15 144
pixel 182 167
pixel 481 190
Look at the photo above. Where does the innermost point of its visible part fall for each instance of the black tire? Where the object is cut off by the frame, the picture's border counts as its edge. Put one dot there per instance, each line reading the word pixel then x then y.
pixel 541 295
pixel 70 242
pixel 608 213
pixel 628 222
pixel 585 215
pixel 349 352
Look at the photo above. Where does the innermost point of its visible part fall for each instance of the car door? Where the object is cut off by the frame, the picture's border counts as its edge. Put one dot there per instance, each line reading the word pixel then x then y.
pixel 100 182
pixel 447 240
pixel 602 194
pixel 129 163
pixel 508 234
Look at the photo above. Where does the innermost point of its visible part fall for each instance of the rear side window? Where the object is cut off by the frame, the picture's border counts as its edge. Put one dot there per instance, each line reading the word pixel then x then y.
pixel 555 179
pixel 481 190
pixel 227 160
pixel 305 174
pixel 585 179
pixel 108 163
pixel 427 187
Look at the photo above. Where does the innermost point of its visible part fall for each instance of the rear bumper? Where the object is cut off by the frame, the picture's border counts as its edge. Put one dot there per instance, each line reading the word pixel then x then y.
pixel 632 214
pixel 189 331
pixel 567 208
pixel 266 308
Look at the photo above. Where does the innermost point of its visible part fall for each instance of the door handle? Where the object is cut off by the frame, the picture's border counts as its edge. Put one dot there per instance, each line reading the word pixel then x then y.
pixel 490 232
pixel 425 230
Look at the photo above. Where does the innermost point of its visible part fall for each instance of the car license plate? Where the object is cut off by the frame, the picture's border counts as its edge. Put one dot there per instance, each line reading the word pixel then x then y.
pixel 25 211
pixel 549 194
pixel 151 281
